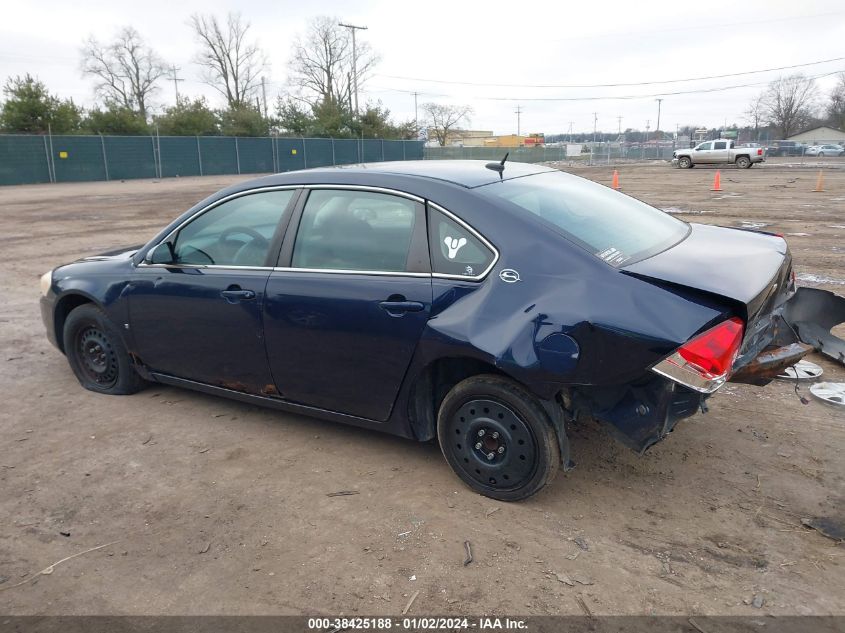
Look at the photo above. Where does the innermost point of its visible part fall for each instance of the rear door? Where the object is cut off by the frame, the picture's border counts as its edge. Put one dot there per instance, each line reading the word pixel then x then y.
pixel 720 152
pixel 349 300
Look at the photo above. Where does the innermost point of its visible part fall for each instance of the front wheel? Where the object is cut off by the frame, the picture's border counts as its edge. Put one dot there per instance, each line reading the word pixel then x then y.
pixel 97 355
pixel 497 438
pixel 684 162
pixel 743 162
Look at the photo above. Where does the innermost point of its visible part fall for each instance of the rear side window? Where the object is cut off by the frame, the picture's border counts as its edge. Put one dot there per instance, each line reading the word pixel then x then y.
pixel 721 145
pixel 454 249
pixel 614 227
pixel 354 230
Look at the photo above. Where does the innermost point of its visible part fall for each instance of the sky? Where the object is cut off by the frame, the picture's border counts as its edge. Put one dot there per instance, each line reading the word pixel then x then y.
pixel 474 44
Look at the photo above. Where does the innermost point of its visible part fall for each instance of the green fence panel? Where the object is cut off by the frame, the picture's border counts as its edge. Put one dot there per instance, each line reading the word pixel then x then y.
pixel 371 150
pixel 78 158
pixel 319 152
pixel 129 157
pixel 394 150
pixel 290 154
pixel 414 150
pixel 347 152
pixel 30 158
pixel 179 156
pixel 256 155
pixel 218 156
pixel 24 159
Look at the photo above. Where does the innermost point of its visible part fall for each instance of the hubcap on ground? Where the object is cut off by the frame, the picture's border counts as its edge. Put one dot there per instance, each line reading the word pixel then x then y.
pixel 492 445
pixel 97 357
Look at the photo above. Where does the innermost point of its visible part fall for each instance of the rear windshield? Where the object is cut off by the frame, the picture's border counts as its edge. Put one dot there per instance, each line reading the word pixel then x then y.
pixel 614 227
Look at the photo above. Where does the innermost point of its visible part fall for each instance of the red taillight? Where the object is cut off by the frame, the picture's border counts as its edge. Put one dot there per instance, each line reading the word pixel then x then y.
pixel 715 350
pixel 759 152
pixel 704 362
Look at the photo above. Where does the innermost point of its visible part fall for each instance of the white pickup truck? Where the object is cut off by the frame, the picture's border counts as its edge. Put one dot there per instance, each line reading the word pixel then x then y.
pixel 720 151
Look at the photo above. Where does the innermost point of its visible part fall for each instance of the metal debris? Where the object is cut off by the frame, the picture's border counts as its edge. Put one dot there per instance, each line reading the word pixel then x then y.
pixel 343 493
pixel 581 542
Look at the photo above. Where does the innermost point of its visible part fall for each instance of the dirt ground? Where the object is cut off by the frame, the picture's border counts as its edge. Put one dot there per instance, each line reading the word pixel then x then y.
pixel 214 507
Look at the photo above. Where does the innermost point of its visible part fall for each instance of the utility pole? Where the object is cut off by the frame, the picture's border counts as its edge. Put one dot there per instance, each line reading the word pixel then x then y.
pixel 518 112
pixel 659 102
pixel 354 28
pixel 176 79
pixel 595 123
pixel 619 123
pixel 416 116
pixel 264 95
pixel 571 123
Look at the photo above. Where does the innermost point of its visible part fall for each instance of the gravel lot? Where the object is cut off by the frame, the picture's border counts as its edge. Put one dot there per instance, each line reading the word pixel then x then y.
pixel 215 507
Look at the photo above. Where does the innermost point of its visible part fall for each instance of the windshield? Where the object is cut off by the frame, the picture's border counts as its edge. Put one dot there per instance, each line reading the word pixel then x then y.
pixel 614 227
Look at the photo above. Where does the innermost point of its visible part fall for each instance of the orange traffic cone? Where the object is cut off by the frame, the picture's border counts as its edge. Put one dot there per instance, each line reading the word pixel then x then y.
pixel 615 184
pixel 717 181
pixel 820 182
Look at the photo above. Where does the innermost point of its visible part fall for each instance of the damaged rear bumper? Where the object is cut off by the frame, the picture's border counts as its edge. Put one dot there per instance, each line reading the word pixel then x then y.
pixel 812 314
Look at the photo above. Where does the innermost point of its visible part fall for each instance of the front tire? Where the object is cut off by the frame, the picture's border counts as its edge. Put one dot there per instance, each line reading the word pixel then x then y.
pixel 684 162
pixel 97 355
pixel 497 438
pixel 743 162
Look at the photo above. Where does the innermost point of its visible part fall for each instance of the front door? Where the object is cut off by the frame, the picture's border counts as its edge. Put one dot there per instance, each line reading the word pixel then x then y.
pixel 199 316
pixel 345 311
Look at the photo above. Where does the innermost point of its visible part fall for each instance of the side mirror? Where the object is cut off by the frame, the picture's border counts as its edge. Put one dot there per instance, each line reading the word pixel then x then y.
pixel 161 254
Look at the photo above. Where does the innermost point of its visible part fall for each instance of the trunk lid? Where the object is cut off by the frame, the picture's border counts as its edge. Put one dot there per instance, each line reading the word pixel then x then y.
pixel 744 266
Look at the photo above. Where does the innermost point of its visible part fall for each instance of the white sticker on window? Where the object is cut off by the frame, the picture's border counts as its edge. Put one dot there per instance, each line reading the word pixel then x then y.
pixel 454 245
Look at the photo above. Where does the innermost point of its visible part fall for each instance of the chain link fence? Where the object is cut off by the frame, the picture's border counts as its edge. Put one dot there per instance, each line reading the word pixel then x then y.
pixel 27 159
pixel 582 153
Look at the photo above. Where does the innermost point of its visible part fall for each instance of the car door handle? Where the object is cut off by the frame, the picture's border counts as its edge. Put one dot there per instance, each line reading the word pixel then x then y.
pixel 236 295
pixel 398 308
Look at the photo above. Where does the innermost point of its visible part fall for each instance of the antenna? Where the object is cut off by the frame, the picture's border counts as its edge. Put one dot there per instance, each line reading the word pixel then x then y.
pixel 498 167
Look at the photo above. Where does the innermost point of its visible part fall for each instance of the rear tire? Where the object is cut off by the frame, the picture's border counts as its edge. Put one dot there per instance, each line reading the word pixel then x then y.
pixel 743 162
pixel 497 438
pixel 97 355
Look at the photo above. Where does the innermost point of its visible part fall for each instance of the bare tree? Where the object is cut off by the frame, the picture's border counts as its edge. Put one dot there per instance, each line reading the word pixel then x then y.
pixel 442 119
pixel 321 63
pixel 788 103
pixel 836 105
pixel 231 64
pixel 126 69
pixel 754 114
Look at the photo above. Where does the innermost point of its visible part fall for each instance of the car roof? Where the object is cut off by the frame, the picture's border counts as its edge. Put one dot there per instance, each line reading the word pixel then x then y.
pixel 466 173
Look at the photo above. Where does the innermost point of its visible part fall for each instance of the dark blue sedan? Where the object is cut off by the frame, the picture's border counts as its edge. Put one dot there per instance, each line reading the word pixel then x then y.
pixel 489 306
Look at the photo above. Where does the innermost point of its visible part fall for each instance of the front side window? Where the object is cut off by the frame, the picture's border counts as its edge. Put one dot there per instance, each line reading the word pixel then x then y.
pixel 705 146
pixel 238 232
pixel 614 227
pixel 355 230
pixel 454 249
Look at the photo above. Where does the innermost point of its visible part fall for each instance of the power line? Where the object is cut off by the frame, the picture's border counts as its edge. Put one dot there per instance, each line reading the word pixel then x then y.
pixel 644 96
pixel 613 85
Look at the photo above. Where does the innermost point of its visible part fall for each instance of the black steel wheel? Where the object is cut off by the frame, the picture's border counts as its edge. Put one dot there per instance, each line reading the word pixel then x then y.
pixel 96 353
pixel 497 438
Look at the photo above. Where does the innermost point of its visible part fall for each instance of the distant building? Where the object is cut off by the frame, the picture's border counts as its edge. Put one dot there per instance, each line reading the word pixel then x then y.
pixel 468 138
pixel 819 136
